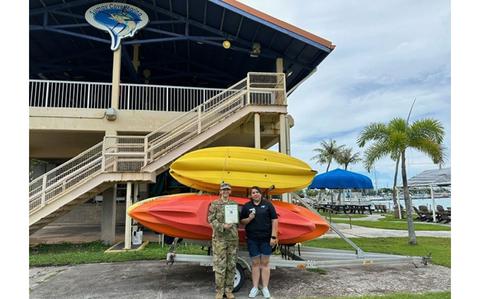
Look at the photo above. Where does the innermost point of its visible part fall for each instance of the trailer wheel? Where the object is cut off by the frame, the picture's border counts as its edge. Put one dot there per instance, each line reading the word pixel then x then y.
pixel 239 278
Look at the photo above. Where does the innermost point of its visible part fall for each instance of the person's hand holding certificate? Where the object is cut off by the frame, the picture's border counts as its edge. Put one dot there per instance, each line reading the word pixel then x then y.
pixel 231 213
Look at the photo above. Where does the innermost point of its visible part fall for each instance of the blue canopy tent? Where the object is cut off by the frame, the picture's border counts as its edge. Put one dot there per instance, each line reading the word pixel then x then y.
pixel 341 179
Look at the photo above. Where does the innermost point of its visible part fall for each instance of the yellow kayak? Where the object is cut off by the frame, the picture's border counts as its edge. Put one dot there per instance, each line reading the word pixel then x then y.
pixel 242 168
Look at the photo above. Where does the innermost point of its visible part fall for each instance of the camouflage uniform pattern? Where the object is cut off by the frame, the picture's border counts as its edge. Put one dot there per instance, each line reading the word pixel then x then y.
pixel 224 245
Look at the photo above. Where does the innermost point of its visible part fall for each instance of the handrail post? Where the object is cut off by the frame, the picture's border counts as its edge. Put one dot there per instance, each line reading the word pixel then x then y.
pixel 44 186
pixel 199 119
pixel 128 97
pixel 103 155
pixel 166 99
pixel 145 149
pixel 46 93
pixel 88 94
pixel 248 89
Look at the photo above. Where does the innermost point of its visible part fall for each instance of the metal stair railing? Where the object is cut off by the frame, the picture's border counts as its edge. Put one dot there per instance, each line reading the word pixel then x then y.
pixel 132 153
pixel 46 187
pixel 257 88
pixel 185 126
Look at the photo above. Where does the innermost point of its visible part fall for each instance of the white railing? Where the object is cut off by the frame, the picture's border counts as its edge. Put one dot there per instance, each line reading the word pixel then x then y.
pixel 75 171
pixel 73 94
pixel 132 153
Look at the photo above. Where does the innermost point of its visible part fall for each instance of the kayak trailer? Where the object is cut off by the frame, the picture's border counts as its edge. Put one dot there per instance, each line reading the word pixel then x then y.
pixel 302 257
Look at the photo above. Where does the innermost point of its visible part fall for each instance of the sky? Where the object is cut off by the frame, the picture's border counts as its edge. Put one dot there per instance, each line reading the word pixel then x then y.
pixel 387 54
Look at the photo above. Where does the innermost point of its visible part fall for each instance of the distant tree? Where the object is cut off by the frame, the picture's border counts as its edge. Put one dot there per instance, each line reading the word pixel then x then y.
pixel 327 152
pixel 311 193
pixel 393 139
pixel 345 157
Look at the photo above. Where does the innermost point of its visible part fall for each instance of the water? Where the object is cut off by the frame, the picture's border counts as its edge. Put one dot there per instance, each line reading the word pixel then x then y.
pixel 443 201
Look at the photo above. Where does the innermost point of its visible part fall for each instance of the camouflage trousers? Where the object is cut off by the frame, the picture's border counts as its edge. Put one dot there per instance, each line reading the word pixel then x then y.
pixel 224 261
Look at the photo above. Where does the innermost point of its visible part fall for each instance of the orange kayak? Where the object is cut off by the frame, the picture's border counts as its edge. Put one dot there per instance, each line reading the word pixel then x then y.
pixel 185 216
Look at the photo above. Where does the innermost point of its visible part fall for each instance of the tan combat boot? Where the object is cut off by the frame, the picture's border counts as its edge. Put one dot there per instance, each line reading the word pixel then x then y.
pixel 229 293
pixel 219 295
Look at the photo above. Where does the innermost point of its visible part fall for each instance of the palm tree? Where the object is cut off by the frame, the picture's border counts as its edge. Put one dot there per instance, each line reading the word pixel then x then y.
pixel 393 139
pixel 396 204
pixel 346 157
pixel 327 152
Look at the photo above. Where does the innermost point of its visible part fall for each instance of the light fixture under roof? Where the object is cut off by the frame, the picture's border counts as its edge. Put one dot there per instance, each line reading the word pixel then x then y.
pixel 226 44
pixel 256 50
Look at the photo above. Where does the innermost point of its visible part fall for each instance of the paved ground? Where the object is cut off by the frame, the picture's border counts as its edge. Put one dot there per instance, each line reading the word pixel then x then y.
pixel 154 279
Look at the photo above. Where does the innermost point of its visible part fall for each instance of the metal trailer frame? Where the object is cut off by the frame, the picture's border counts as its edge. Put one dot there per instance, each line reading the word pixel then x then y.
pixel 301 257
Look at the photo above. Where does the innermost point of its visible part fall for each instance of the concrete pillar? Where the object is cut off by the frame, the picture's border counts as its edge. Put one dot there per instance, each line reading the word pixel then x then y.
pixel 279 69
pixel 279 65
pixel 256 124
pixel 135 192
pixel 109 209
pixel 117 59
pixel 128 220
pixel 284 134
pixel 136 57
pixel 288 123
pixel 282 147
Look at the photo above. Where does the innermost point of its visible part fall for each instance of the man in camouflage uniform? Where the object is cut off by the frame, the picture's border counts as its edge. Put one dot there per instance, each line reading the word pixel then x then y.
pixel 224 244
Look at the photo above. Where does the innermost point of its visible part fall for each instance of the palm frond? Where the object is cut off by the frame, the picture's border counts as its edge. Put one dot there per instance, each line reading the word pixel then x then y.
pixel 374 153
pixel 372 132
pixel 431 149
pixel 427 129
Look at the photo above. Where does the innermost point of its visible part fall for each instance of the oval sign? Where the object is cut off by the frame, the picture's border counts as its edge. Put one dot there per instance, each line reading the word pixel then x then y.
pixel 120 20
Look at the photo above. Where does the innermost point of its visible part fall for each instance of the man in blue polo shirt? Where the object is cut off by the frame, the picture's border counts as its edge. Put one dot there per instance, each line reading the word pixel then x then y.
pixel 261 226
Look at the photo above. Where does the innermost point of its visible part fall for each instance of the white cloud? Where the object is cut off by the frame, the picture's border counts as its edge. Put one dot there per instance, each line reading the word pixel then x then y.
pixel 387 54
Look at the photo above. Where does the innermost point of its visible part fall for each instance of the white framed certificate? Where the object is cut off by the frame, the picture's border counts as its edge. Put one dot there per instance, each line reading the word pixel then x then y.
pixel 231 213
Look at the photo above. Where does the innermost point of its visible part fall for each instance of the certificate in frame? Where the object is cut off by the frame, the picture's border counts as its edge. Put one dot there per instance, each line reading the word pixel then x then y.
pixel 231 213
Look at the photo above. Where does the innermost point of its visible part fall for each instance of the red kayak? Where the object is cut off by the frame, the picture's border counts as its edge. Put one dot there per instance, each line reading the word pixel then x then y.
pixel 185 216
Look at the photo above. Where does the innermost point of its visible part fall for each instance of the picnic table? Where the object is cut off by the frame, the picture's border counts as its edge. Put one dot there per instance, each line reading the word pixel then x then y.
pixel 346 208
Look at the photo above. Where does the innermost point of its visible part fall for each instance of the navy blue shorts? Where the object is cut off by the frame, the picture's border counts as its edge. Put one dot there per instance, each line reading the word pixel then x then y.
pixel 257 248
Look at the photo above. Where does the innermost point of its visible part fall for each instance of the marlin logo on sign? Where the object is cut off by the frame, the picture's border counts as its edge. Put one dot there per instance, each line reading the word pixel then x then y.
pixel 120 20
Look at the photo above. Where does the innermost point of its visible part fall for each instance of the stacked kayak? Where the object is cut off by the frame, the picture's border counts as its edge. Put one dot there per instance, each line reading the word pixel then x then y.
pixel 185 216
pixel 242 168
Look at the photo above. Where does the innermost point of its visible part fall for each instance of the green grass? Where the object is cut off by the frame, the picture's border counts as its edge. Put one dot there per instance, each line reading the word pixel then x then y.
pixel 391 224
pixel 439 247
pixel 94 252
pixel 436 295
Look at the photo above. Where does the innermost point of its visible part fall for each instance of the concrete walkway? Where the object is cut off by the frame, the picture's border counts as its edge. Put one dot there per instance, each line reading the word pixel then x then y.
pixel 367 232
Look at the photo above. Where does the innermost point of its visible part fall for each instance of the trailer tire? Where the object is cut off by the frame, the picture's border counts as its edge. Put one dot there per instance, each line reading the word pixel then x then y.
pixel 239 278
